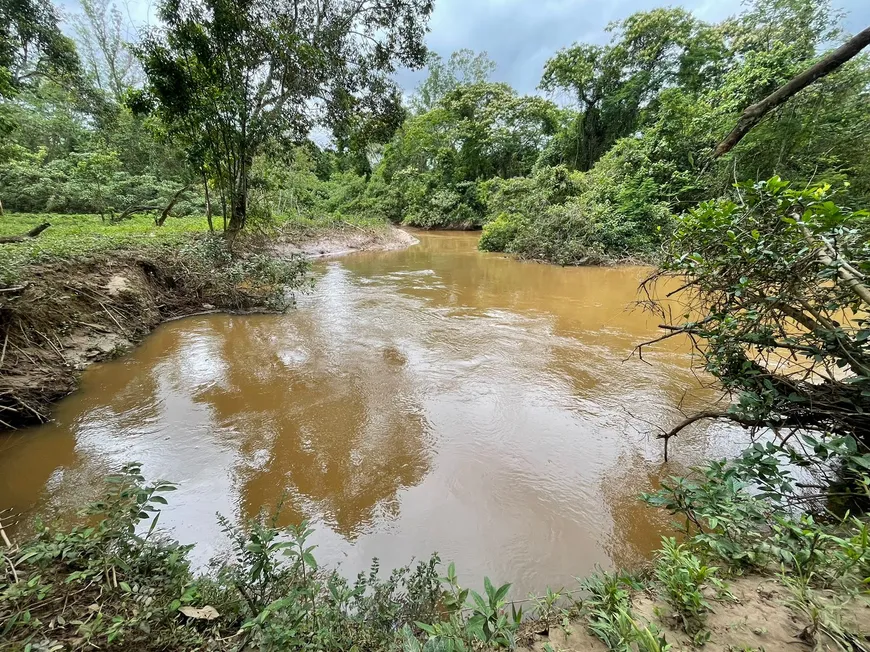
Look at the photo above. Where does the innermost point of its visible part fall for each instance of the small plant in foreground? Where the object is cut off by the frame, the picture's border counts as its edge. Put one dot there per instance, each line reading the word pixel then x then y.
pixel 489 621
pixel 547 606
pixel 684 577
pixel 607 609
pixel 822 615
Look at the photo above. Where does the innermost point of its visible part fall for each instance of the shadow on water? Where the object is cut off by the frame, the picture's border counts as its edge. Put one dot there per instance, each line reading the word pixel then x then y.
pixel 429 399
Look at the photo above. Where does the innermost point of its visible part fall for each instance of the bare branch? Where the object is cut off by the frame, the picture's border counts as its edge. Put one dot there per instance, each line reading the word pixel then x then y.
pixel 753 114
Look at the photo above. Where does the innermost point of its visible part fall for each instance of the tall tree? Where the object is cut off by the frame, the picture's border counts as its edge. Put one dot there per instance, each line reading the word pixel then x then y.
pixel 229 76
pixel 463 67
pixel 616 85
pixel 32 46
pixel 104 40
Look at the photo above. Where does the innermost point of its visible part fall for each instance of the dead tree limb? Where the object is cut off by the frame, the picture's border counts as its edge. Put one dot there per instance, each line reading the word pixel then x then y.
pixel 6 239
pixel 160 220
pixel 134 209
pixel 700 416
pixel 753 114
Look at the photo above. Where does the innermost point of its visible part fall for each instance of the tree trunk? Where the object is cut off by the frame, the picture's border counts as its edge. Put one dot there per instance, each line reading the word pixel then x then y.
pixel 207 204
pixel 238 211
pixel 6 239
pixel 160 220
pixel 239 208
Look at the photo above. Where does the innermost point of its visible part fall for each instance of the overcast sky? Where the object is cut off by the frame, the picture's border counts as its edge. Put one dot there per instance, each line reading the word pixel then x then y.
pixel 520 35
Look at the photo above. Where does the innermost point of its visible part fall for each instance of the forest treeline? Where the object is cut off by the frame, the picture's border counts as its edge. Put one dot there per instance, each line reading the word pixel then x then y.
pixel 590 170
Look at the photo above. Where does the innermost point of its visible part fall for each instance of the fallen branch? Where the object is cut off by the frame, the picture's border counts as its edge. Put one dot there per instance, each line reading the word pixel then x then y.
pixel 6 239
pixel 700 416
pixel 794 420
pixel 753 114
pixel 159 221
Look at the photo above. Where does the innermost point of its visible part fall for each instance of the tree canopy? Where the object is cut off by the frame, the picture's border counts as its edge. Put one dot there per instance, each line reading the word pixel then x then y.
pixel 228 77
pixel 463 67
pixel 32 45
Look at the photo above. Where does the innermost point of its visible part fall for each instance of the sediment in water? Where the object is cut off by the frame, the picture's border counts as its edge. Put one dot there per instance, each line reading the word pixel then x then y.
pixel 67 314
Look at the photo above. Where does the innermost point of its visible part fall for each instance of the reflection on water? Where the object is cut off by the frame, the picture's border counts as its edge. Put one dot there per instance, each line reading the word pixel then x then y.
pixel 430 399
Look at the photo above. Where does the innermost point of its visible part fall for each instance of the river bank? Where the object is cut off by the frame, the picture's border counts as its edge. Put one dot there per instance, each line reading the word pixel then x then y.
pixel 105 586
pixel 74 303
pixel 435 398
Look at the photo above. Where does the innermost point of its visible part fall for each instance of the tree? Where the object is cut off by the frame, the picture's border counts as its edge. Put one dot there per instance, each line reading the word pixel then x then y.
pixel 93 173
pixel 463 67
pixel 229 77
pixel 476 132
pixel 616 85
pixel 32 46
pixel 774 297
pixel 104 41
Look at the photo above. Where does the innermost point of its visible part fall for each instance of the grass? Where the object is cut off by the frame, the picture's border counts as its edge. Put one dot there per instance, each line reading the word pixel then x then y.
pixel 81 236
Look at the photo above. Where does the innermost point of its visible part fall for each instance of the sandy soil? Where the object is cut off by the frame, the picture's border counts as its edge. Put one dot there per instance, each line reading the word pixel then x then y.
pixel 345 241
pixel 758 618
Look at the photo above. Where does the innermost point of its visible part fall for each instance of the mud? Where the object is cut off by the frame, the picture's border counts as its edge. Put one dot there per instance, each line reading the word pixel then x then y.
pixel 69 314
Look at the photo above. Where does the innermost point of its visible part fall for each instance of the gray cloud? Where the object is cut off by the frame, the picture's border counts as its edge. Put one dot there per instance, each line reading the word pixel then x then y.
pixel 520 35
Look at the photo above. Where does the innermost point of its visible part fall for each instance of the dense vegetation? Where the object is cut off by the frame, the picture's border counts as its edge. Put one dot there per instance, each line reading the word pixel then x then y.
pixel 207 120
pixel 212 112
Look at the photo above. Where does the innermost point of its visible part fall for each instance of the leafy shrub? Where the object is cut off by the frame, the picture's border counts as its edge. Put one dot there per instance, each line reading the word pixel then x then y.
pixel 607 609
pixel 613 211
pixel 683 578
pixel 749 513
pixel 766 280
pixel 498 234
pixel 90 182
pixel 137 581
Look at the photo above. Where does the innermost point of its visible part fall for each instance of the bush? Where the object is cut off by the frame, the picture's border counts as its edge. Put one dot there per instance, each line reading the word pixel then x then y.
pixel 90 182
pixel 683 578
pixel 500 233
pixel 614 211
pixel 117 581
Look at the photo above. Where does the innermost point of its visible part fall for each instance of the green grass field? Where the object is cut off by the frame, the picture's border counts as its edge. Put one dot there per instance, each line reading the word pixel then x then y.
pixel 78 236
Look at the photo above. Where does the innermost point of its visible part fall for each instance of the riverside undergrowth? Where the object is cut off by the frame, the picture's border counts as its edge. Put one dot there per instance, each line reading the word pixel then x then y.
pixel 90 290
pixel 118 581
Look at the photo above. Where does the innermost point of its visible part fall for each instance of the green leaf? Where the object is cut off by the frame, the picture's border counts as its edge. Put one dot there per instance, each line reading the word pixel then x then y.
pixel 426 628
pixel 502 592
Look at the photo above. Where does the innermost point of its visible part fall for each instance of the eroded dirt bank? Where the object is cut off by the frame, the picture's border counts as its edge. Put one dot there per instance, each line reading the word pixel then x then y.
pixel 66 315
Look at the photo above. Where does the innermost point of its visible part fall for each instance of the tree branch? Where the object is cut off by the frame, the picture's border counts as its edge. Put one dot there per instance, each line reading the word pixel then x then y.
pixel 7 239
pixel 753 114
pixel 844 270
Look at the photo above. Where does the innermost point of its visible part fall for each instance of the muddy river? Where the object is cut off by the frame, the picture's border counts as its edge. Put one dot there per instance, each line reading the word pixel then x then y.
pixel 431 399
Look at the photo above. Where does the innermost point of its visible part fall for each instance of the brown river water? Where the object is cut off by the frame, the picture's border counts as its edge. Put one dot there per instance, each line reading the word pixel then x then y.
pixel 431 399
